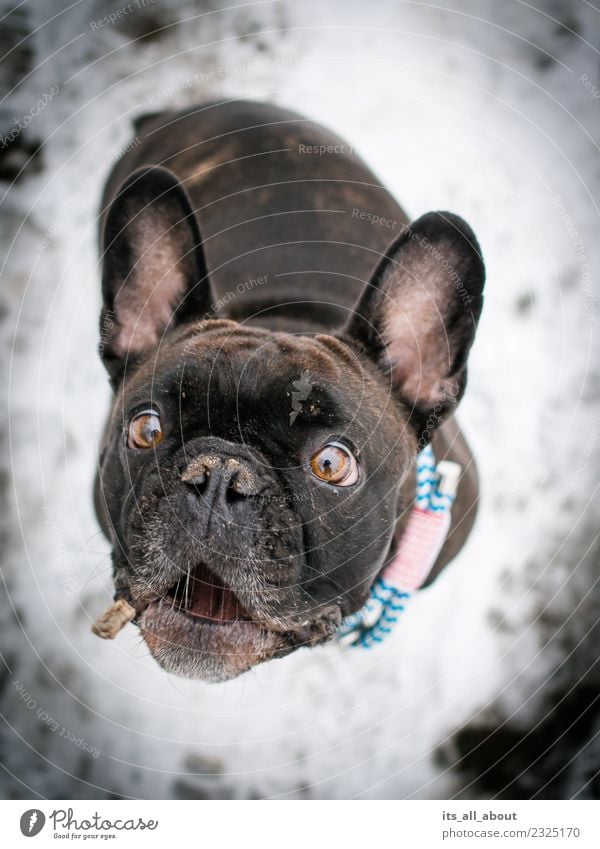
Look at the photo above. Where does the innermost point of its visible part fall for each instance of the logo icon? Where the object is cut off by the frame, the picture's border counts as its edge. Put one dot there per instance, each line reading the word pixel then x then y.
pixel 302 388
pixel 32 822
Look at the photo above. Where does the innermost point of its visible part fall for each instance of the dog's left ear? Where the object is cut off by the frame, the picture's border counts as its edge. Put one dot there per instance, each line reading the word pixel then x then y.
pixel 418 315
pixel 154 271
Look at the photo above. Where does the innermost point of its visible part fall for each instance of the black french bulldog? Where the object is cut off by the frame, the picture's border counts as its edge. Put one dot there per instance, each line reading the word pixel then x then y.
pixel 277 366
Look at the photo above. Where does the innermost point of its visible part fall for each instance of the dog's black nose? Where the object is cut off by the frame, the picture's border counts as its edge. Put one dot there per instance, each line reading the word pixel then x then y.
pixel 226 479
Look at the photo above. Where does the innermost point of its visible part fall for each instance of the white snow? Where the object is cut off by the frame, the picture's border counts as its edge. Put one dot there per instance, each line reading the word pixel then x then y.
pixel 476 107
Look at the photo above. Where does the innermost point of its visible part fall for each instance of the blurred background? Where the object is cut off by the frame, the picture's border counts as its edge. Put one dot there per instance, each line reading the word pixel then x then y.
pixel 490 688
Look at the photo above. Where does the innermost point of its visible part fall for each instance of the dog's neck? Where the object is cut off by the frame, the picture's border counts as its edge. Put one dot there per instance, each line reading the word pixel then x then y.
pixel 406 499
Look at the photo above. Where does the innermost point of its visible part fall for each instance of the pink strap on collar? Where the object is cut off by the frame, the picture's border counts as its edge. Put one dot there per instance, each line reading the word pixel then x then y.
pixel 422 539
pixel 425 533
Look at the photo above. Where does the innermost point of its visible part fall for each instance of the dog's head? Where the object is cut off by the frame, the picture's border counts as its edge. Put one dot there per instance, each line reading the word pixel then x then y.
pixel 250 480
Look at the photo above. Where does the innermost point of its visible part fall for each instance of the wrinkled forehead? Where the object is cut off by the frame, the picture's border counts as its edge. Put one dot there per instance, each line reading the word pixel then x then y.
pixel 248 348
pixel 220 360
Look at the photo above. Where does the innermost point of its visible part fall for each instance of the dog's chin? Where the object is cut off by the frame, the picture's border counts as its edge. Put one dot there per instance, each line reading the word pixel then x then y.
pixel 192 646
pixel 200 629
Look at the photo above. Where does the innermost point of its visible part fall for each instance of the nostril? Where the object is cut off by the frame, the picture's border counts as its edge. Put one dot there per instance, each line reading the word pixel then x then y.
pixel 242 479
pixel 235 484
pixel 233 494
pixel 231 479
pixel 197 490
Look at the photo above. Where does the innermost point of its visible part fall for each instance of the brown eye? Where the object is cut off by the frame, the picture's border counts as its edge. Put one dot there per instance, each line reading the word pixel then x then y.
pixel 335 464
pixel 144 430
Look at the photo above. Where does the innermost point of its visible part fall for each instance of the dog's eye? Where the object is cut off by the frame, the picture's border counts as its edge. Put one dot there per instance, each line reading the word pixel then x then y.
pixel 335 464
pixel 145 430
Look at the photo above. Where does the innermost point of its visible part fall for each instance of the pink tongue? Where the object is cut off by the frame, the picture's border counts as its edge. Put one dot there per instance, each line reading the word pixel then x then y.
pixel 211 598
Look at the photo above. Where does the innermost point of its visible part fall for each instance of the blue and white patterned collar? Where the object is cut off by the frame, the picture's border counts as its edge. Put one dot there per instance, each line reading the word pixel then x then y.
pixel 424 535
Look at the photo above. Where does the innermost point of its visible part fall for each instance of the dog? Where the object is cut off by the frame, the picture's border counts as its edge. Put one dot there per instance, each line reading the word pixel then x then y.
pixel 282 343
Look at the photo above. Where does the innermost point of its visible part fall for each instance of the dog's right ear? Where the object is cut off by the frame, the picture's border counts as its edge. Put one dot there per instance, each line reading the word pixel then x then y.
pixel 154 271
pixel 418 315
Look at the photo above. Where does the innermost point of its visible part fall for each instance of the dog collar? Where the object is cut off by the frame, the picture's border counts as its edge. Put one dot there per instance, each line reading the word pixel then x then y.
pixel 424 535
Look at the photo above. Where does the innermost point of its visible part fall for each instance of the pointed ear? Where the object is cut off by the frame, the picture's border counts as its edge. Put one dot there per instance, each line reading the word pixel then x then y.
pixel 154 272
pixel 418 315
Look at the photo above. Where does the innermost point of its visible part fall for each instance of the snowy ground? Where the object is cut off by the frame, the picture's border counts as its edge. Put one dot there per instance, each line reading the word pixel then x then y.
pixel 485 108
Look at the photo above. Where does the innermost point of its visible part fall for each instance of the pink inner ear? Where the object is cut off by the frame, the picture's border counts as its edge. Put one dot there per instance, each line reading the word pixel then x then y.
pixel 417 344
pixel 153 290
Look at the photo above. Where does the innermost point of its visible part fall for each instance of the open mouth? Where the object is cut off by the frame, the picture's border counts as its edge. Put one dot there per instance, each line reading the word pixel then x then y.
pixel 204 595
pixel 200 629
